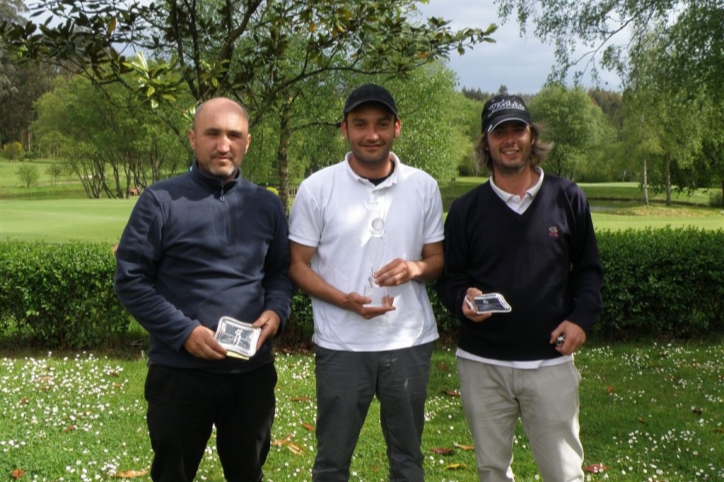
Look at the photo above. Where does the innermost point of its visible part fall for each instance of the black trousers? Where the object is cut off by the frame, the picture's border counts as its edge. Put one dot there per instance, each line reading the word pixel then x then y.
pixel 183 407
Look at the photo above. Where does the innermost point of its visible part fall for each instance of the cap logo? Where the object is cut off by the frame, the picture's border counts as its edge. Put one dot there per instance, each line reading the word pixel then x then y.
pixel 504 105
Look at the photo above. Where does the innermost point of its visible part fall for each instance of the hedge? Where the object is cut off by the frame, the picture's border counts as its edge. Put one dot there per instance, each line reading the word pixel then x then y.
pixel 662 282
pixel 657 282
pixel 59 295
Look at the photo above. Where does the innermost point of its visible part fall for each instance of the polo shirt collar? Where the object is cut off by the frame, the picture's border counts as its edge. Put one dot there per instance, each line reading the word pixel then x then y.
pixel 392 180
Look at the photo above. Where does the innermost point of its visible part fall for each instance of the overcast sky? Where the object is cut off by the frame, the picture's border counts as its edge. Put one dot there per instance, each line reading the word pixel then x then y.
pixel 522 64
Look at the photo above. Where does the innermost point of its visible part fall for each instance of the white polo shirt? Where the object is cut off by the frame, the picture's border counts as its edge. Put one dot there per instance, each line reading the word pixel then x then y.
pixel 333 212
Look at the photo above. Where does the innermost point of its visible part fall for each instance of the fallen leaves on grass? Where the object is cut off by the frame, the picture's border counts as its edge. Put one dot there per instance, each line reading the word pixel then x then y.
pixel 463 447
pixel 610 390
pixel 451 393
pixel 284 441
pixel 296 449
pixel 441 450
pixel 442 367
pixel 17 473
pixel 596 468
pixel 287 442
pixel 300 399
pixel 455 466
pixel 309 426
pixel 130 474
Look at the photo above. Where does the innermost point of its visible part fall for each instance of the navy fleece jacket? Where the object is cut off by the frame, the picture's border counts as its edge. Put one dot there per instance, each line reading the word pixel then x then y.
pixel 195 250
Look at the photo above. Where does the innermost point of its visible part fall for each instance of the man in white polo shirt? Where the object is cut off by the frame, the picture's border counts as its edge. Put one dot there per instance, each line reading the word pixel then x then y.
pixel 369 222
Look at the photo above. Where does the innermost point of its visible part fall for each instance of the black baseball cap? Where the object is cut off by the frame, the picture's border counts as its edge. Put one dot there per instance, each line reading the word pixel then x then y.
pixel 504 108
pixel 370 93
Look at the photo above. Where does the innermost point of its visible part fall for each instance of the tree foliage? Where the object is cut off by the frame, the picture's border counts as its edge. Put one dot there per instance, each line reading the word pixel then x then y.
pixel 433 123
pixel 264 53
pixel 233 47
pixel 28 174
pixel 20 84
pixel 586 34
pixel 55 171
pixel 10 10
pixel 574 124
pixel 109 142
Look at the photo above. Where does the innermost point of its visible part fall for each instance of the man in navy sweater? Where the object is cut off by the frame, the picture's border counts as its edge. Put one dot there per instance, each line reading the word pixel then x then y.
pixel 197 247
pixel 528 236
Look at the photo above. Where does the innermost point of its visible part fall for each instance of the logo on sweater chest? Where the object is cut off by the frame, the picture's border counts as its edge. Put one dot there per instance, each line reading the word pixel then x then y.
pixel 553 231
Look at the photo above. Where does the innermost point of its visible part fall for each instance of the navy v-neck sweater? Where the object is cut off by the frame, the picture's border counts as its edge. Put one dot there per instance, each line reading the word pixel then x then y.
pixel 544 261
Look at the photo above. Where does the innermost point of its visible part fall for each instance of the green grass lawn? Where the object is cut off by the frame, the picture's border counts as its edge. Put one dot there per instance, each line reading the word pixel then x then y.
pixel 649 412
pixel 67 186
pixel 62 220
pixel 609 214
pixel 103 220
pixel 595 192
pixel 658 216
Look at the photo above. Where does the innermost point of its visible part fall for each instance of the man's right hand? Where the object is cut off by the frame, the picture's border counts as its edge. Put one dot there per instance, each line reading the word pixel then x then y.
pixel 356 302
pixel 202 344
pixel 471 313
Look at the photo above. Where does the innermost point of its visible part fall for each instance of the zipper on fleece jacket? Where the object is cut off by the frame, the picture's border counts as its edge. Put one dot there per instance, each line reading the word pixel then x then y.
pixel 226 227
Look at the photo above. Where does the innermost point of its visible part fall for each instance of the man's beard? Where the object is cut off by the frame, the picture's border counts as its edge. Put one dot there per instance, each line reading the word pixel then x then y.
pixel 508 169
pixel 372 161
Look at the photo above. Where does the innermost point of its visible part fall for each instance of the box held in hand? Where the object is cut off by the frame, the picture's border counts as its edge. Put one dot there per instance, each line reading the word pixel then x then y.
pixel 491 303
pixel 238 337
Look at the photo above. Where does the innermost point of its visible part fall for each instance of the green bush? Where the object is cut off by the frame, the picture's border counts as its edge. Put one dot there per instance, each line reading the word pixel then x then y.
pixel 59 295
pixel 13 151
pixel 715 199
pixel 657 282
pixel 28 174
pixel 667 282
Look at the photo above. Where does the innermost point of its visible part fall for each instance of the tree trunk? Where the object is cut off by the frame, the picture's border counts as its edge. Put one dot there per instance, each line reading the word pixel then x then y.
pixel 117 179
pixel 667 179
pixel 285 134
pixel 645 184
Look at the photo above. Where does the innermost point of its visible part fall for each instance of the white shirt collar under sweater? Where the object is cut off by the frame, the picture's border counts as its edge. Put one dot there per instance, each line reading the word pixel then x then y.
pixel 514 201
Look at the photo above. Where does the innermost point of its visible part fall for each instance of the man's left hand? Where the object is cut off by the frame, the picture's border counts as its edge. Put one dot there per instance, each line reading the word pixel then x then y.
pixel 575 337
pixel 395 273
pixel 269 323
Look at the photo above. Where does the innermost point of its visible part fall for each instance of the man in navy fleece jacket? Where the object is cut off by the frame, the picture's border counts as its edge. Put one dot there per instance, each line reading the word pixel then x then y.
pixel 197 247
pixel 528 236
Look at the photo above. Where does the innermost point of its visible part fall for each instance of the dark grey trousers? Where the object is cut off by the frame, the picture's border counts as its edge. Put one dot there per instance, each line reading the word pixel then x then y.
pixel 346 385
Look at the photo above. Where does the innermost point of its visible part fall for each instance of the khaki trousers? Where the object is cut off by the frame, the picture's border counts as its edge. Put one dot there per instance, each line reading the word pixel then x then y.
pixel 546 401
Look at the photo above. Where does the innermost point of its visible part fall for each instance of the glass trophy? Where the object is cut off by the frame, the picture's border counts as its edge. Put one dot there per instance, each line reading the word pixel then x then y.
pixel 375 253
